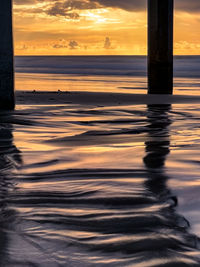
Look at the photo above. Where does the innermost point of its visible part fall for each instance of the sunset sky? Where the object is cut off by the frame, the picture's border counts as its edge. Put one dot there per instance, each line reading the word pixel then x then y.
pixel 97 27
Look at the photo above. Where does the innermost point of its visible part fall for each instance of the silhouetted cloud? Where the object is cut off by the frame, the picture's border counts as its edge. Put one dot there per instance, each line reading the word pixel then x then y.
pixel 60 44
pixel 65 8
pixel 73 44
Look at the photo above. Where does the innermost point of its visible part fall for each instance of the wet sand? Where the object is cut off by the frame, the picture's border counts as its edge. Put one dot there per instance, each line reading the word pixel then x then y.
pixel 100 179
pixel 99 98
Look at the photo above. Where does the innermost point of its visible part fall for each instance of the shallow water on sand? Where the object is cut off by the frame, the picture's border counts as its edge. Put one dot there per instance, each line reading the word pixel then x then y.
pixel 100 186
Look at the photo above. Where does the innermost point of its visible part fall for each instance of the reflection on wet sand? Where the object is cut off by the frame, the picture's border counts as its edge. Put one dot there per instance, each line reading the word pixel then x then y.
pixel 157 147
pixel 10 158
pixel 178 248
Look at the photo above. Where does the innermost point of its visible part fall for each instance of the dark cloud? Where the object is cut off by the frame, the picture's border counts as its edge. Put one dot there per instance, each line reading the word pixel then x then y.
pixel 137 5
pixel 25 2
pixel 65 8
pixel 188 5
pixel 57 11
pixel 130 5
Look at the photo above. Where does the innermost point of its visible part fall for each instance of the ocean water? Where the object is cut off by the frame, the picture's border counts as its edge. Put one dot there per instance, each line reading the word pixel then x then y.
pixel 100 73
pixel 100 185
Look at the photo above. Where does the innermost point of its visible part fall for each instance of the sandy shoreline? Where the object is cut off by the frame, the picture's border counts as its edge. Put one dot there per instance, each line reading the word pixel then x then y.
pixel 95 98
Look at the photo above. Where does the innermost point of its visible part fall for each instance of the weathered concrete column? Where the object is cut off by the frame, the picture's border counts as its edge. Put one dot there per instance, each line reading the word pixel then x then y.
pixel 160 46
pixel 6 56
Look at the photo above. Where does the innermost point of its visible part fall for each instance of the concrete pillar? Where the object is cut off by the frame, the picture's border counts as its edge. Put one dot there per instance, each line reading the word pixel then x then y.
pixel 6 56
pixel 160 46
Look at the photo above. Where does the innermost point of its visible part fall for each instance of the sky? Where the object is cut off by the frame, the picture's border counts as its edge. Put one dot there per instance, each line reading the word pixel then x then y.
pixel 97 27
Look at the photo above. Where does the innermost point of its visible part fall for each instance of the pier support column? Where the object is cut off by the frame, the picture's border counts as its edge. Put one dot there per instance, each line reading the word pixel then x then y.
pixel 6 56
pixel 160 46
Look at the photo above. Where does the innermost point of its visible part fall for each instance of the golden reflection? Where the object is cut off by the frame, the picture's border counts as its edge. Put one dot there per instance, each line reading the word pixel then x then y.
pixel 183 184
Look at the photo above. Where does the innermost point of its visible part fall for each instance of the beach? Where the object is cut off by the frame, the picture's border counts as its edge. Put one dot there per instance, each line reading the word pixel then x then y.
pixel 103 177
pixel 99 98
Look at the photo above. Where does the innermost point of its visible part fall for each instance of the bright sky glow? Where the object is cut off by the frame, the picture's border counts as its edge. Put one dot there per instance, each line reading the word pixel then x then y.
pixel 91 27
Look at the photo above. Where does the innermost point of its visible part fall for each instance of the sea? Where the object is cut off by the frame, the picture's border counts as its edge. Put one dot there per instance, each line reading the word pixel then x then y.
pixel 86 185
pixel 120 74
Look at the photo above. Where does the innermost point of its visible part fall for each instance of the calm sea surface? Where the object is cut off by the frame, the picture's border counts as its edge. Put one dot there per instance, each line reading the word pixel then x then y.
pixel 100 186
